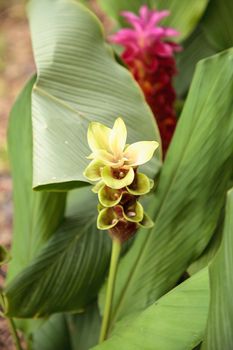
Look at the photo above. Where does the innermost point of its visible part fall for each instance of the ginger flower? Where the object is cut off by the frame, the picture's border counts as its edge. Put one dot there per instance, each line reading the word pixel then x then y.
pixel 149 55
pixel 114 164
pixel 113 161
pixel 146 34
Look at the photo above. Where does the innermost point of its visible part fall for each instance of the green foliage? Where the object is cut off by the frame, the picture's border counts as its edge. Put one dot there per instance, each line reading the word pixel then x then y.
pixel 84 328
pixel 189 197
pixel 195 48
pixel 175 322
pixel 52 334
pixel 78 81
pixel 213 33
pixel 184 18
pixel 36 215
pixel 217 24
pixel 59 258
pixel 67 273
pixel 219 329
pixel 4 255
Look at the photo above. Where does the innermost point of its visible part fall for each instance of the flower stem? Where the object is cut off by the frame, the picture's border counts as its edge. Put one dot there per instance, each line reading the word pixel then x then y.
pixel 14 333
pixel 116 249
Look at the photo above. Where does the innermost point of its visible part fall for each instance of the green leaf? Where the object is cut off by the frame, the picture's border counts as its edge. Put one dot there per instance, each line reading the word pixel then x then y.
pixel 4 255
pixel 84 328
pixel 217 24
pixel 211 249
pixel 176 321
pixel 190 194
pixel 195 48
pixel 184 18
pixel 220 321
pixel 114 8
pixel 69 270
pixel 78 81
pixel 67 332
pixel 53 334
pixel 36 215
pixel 213 34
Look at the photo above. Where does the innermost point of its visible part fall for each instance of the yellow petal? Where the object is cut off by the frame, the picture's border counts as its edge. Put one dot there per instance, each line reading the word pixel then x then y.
pixel 118 137
pixel 98 136
pixel 140 152
pixel 107 158
pixel 93 170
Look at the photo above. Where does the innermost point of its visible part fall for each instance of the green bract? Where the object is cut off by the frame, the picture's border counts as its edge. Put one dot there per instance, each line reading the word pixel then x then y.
pixel 133 212
pixel 109 197
pixel 114 165
pixel 141 185
pixel 108 218
pixel 125 177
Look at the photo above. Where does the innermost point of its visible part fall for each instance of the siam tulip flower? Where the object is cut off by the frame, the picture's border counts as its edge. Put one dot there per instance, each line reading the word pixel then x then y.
pixel 114 164
pixel 149 54
pixel 112 159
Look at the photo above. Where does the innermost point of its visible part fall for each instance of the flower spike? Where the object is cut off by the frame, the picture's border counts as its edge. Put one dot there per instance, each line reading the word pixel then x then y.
pixel 114 165
pixel 149 54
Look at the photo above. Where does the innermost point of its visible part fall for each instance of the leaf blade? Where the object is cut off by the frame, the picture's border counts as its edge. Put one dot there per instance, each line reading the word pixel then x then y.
pixel 32 228
pixel 69 270
pixel 83 83
pixel 176 321
pixel 185 208
pixel 220 320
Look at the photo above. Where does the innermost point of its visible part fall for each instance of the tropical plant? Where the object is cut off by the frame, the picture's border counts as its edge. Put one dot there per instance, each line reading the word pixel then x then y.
pixel 58 272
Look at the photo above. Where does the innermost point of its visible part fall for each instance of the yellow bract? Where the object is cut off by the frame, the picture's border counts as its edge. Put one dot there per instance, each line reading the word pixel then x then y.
pixel 109 148
pixel 114 165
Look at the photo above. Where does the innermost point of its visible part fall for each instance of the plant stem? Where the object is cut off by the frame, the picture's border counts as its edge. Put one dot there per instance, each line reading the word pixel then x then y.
pixel 116 249
pixel 14 333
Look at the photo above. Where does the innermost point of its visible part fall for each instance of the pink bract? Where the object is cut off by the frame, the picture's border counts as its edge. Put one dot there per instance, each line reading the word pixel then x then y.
pixel 149 54
pixel 146 34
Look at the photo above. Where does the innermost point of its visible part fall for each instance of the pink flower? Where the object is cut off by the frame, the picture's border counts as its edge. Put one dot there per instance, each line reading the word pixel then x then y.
pixel 149 54
pixel 146 34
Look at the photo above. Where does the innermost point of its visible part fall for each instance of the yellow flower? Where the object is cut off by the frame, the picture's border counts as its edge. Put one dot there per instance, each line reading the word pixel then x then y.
pixel 112 160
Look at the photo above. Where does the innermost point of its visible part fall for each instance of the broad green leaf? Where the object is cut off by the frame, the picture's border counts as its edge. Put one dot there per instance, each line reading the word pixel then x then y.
pixel 78 81
pixel 84 328
pixel 53 334
pixel 195 48
pixel 211 249
pixel 176 321
pixel 184 17
pixel 36 215
pixel 217 24
pixel 219 333
pixel 69 270
pixel 213 34
pixel 114 8
pixel 190 194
